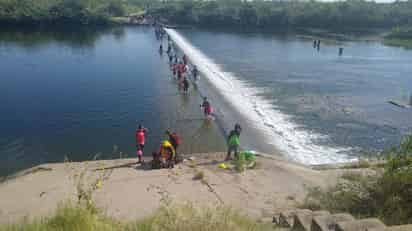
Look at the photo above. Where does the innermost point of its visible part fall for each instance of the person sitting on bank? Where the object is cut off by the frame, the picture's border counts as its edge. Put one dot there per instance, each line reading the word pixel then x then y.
pixel 167 154
pixel 233 141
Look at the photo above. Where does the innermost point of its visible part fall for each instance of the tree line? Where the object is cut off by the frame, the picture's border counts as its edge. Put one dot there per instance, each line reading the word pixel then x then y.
pixel 338 15
pixel 272 14
pixel 60 11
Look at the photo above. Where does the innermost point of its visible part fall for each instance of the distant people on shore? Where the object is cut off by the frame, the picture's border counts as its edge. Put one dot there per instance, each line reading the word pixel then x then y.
pixel 233 141
pixel 140 141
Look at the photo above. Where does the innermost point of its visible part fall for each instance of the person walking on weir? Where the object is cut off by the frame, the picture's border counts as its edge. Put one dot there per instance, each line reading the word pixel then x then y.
pixel 207 107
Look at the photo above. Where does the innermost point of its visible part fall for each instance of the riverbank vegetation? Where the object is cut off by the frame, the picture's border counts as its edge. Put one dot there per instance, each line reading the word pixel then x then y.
pixel 386 194
pixel 167 218
pixel 59 11
pixel 399 37
pixel 337 15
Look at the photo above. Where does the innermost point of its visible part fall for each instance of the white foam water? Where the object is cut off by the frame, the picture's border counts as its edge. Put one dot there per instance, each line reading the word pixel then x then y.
pixel 278 129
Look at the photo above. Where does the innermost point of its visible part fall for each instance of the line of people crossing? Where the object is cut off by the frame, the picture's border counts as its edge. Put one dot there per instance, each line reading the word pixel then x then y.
pixel 167 155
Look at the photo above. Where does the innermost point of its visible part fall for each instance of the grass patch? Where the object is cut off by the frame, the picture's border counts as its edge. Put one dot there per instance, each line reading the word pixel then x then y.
pixel 358 165
pixel 167 218
pixel 199 175
pixel 192 164
pixel 67 218
pixel 351 176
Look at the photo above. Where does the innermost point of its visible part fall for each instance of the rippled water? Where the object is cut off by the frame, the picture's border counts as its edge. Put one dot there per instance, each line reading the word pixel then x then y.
pixel 313 106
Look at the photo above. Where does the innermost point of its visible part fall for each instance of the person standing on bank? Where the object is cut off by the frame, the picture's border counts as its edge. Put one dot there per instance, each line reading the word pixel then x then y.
pixel 233 141
pixel 140 141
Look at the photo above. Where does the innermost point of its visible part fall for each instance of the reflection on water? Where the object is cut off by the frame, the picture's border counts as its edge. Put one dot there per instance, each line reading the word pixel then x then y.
pixel 74 36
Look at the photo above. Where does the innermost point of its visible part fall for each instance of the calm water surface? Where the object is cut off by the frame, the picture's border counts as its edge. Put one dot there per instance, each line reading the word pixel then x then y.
pixel 81 93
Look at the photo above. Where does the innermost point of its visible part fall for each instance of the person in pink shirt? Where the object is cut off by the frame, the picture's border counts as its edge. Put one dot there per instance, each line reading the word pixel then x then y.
pixel 140 141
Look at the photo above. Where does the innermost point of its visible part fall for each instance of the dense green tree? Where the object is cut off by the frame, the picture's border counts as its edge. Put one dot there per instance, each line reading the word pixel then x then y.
pixel 330 15
pixel 258 13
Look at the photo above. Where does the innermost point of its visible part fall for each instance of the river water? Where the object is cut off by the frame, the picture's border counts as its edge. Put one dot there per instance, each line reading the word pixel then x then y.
pixel 78 94
pixel 311 105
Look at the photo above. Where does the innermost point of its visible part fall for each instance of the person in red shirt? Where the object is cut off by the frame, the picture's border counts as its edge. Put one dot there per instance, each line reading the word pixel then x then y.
pixel 140 141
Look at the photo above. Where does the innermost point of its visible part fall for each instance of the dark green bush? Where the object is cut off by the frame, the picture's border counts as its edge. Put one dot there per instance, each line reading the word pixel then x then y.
pixel 387 195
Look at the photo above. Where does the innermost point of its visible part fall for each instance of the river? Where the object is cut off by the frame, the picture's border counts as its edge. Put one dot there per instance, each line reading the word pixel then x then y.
pixel 79 94
pixel 312 106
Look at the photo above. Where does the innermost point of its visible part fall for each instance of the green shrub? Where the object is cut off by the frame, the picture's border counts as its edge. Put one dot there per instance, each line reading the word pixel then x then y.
pixel 387 195
pixel 67 218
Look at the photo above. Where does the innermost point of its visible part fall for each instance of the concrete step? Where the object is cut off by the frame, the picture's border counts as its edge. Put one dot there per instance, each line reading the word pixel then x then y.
pixel 276 218
pixel 361 225
pixel 328 222
pixel 303 219
pixel 399 228
pixel 286 218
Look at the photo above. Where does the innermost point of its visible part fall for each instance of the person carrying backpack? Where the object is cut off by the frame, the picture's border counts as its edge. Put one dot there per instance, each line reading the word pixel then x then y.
pixel 233 141
pixel 175 140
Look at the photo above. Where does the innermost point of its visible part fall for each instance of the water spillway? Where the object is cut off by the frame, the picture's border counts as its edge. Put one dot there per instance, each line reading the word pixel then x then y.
pixel 275 127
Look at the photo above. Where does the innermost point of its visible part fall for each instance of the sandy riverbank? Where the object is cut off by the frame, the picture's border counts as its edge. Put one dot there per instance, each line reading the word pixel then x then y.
pixel 130 192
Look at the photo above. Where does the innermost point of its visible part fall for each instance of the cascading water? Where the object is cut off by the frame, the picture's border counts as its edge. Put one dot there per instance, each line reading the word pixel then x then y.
pixel 277 127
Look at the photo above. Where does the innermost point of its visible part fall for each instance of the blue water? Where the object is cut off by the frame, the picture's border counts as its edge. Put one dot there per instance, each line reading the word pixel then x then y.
pixel 79 95
pixel 332 108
